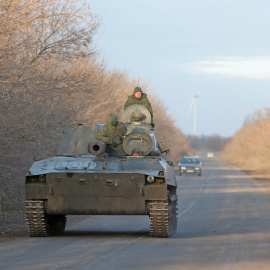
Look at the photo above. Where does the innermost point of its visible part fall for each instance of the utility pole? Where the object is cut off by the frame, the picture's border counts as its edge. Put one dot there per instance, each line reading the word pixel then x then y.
pixel 195 115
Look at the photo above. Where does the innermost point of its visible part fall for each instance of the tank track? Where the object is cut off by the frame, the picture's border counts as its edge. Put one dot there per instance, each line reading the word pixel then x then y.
pixel 35 218
pixel 163 218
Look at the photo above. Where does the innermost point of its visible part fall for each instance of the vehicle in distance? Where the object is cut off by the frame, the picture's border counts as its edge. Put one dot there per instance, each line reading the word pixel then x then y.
pixel 210 155
pixel 190 165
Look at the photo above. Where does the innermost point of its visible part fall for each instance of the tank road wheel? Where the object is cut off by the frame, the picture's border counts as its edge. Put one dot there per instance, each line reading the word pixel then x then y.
pixel 41 224
pixel 163 217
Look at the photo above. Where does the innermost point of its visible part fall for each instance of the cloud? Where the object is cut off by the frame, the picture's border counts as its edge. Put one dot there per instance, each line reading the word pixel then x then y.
pixel 245 67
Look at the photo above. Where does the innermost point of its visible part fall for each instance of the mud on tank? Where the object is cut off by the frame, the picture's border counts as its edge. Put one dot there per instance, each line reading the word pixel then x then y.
pixel 82 179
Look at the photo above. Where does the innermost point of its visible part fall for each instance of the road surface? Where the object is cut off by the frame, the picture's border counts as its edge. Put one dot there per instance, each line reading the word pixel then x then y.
pixel 223 223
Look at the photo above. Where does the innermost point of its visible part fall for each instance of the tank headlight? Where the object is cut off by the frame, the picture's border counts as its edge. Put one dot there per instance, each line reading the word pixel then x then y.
pixel 150 178
pixel 161 173
pixel 32 179
pixel 42 178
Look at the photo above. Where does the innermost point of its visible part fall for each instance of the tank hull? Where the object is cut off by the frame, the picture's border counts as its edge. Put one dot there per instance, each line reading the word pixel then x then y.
pixel 96 194
pixel 90 186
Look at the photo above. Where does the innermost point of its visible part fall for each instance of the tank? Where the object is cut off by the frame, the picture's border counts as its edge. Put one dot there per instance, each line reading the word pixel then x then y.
pixel 82 179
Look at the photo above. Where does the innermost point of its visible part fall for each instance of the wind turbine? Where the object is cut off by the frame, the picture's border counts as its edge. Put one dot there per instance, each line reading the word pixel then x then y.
pixel 194 105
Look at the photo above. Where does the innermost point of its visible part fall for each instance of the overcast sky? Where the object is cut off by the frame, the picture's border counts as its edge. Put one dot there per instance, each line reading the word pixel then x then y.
pixel 216 49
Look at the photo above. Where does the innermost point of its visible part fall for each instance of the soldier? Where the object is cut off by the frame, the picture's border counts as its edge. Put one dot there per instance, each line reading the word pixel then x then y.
pixel 136 152
pixel 112 134
pixel 139 97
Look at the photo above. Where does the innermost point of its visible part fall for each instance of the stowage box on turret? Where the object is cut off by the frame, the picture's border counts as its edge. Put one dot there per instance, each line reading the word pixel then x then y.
pixel 82 179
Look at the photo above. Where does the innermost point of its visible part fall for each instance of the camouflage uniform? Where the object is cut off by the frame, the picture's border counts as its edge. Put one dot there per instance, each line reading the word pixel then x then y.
pixel 143 100
pixel 112 134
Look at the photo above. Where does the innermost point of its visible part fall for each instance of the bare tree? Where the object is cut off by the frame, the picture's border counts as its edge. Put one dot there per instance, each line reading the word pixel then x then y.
pixel 39 41
pixel 250 147
pixel 51 79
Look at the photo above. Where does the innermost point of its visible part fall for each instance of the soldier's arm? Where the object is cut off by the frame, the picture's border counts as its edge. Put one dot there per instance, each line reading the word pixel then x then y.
pixel 121 128
pixel 127 104
pixel 149 107
pixel 103 137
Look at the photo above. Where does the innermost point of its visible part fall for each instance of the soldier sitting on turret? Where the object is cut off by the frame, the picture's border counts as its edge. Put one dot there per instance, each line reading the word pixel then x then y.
pixel 139 97
pixel 112 134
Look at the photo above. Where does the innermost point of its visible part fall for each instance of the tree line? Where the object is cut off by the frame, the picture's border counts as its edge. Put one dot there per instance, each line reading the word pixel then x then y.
pixel 52 78
pixel 250 147
pixel 213 143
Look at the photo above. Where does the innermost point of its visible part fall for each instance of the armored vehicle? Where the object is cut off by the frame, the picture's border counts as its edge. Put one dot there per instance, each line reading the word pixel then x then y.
pixel 82 179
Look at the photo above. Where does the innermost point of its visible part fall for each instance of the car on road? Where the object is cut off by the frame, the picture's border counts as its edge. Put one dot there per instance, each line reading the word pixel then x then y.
pixel 210 155
pixel 190 165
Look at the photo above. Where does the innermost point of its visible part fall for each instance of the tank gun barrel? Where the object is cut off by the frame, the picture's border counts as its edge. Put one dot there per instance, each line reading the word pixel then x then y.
pixel 97 147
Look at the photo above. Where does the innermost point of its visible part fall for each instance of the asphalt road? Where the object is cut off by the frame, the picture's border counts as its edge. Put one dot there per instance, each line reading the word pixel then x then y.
pixel 223 223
